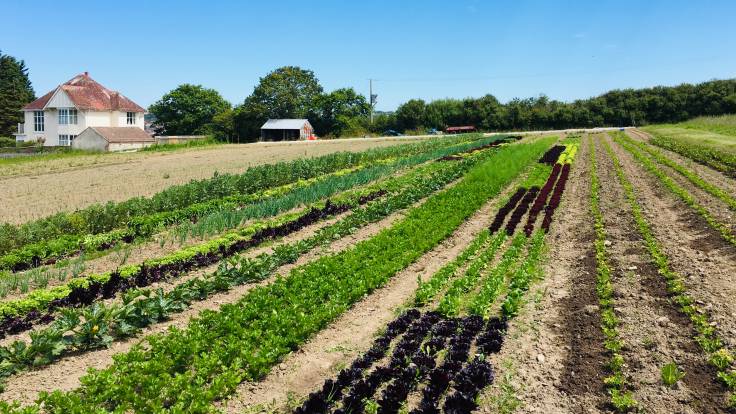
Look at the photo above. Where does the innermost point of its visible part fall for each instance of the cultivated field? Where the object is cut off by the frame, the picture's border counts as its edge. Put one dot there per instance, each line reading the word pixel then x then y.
pixel 584 272
pixel 34 189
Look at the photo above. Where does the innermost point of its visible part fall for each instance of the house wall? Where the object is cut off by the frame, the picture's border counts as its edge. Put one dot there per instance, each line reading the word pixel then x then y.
pixel 90 140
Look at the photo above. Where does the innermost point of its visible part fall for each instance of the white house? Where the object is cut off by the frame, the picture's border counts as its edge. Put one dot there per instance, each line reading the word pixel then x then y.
pixel 59 116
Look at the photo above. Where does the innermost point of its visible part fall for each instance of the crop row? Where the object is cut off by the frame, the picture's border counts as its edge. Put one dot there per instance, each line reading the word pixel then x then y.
pixel 101 218
pixel 620 396
pixel 187 369
pixel 685 172
pixel 459 156
pixel 37 306
pixel 521 210
pixel 719 160
pixel 679 191
pixel 450 379
pixel 72 332
pixel 721 358
pixel 507 208
pixel 216 215
pixel 550 157
pixel 541 201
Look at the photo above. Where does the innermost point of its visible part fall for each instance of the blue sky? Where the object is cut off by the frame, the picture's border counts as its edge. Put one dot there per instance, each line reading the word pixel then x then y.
pixel 428 49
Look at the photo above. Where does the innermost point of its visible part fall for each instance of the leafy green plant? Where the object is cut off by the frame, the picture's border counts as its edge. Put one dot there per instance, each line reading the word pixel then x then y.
pixel 671 374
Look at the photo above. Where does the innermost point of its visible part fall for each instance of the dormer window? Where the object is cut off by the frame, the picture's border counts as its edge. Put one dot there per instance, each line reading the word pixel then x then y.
pixel 38 121
pixel 68 116
pixel 130 118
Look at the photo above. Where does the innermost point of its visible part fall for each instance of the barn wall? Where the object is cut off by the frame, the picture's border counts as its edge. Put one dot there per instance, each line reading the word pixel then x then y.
pixel 89 140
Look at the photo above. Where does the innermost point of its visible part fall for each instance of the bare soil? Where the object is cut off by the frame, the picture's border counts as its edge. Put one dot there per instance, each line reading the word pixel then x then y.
pixel 33 190
pixel 654 332
pixel 696 252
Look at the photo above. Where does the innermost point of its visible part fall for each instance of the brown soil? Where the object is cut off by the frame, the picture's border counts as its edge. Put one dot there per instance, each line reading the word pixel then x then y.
pixel 67 184
pixel 306 369
pixel 698 253
pixel 555 345
pixel 652 329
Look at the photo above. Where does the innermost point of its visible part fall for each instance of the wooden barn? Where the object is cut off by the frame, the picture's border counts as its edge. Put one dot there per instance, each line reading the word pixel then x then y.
pixel 286 130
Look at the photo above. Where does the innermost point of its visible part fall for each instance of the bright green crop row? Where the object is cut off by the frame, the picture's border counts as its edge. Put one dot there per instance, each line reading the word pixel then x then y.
pixel 718 356
pixel 691 176
pixel 621 398
pixel 186 370
pixel 680 192
pixel 450 304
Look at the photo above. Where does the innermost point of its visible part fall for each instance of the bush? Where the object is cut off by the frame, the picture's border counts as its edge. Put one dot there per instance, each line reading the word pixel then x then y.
pixel 7 142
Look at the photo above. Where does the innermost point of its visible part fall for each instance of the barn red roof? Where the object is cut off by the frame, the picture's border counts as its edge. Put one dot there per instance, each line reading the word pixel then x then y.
pixel 87 94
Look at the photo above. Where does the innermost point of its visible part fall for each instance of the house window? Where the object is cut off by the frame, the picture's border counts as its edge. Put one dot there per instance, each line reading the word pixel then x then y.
pixel 130 118
pixel 38 121
pixel 67 116
pixel 66 140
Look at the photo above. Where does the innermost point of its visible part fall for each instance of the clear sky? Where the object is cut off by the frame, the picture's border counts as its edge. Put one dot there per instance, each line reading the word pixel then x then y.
pixel 428 49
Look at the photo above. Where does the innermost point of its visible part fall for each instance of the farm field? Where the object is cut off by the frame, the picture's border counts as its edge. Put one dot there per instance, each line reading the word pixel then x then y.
pixel 69 183
pixel 584 272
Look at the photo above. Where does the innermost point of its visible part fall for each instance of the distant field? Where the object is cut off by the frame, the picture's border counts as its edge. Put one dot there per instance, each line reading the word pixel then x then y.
pixel 39 188
pixel 708 140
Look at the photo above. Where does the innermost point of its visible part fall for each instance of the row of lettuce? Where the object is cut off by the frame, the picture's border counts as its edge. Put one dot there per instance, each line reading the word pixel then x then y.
pixel 98 219
pixel 81 329
pixel 186 370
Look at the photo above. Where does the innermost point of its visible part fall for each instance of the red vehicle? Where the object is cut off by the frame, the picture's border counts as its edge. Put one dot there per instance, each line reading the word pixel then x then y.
pixel 460 129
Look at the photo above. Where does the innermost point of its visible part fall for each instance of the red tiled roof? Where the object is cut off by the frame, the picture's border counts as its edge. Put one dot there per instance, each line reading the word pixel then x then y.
pixel 123 134
pixel 89 95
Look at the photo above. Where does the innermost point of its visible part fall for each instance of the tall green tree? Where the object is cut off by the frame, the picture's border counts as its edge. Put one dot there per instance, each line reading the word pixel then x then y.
pixel 15 92
pixel 287 92
pixel 189 110
pixel 342 112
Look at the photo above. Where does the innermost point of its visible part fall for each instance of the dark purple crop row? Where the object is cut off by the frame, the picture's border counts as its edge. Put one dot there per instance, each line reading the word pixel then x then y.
pixel 413 364
pixel 552 155
pixel 506 209
pixel 520 210
pixel 541 199
pixel 148 275
pixel 554 201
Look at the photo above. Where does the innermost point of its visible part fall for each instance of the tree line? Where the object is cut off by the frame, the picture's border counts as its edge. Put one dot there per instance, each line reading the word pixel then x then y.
pixel 293 92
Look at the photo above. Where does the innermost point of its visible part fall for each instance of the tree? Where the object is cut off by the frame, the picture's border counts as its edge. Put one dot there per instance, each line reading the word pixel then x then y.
pixel 15 93
pixel 287 92
pixel 342 112
pixel 189 110
pixel 410 115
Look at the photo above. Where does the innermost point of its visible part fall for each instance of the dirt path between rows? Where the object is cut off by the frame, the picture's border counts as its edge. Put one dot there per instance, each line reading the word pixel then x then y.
pixel 696 252
pixel 324 355
pixel 706 173
pixel 652 329
pixel 553 356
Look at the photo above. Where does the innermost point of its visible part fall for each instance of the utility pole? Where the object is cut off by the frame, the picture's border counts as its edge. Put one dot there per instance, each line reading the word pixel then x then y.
pixel 370 88
pixel 373 98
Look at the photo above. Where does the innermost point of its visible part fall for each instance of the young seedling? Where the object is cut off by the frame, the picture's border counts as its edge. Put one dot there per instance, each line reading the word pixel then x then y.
pixel 671 374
